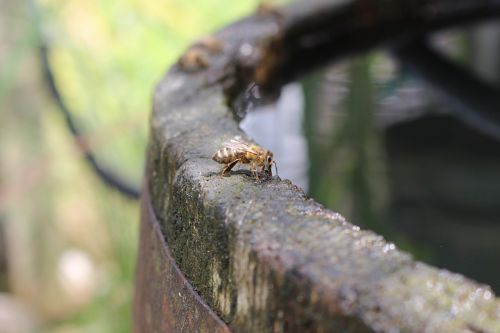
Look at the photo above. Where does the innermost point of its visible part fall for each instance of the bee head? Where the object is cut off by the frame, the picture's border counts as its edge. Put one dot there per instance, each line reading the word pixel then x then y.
pixel 269 162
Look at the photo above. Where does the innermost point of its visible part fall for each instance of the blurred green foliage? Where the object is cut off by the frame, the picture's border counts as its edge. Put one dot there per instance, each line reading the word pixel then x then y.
pixel 107 57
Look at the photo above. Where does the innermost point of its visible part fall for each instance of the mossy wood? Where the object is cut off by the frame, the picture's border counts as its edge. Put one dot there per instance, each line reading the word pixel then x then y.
pixel 262 255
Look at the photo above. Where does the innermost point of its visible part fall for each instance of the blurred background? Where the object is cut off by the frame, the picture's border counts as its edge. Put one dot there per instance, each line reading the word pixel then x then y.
pixel 67 242
pixel 364 137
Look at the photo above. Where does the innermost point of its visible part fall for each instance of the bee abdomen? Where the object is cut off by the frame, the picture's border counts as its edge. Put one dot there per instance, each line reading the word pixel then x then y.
pixel 224 155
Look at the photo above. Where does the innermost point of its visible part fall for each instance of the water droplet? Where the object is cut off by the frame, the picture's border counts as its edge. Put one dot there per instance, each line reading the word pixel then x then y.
pixel 388 247
pixel 246 50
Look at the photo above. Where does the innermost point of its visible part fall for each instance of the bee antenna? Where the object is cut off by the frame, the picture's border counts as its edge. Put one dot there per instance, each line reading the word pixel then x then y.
pixel 276 167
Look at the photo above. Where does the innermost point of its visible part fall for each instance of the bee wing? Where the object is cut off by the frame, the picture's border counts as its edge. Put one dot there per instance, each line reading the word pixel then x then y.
pixel 238 145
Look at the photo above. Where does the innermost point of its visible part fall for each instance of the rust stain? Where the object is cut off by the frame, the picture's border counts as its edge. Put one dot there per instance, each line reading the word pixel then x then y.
pixel 164 300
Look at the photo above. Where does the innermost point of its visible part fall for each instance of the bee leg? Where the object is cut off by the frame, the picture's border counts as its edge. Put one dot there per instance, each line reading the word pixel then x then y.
pixel 228 167
pixel 267 172
pixel 255 173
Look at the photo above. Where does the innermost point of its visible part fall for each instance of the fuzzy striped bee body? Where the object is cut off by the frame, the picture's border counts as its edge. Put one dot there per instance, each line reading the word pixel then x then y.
pixel 236 151
pixel 226 155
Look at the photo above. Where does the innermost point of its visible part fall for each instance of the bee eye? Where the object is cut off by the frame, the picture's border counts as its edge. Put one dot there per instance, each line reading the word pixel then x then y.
pixel 269 160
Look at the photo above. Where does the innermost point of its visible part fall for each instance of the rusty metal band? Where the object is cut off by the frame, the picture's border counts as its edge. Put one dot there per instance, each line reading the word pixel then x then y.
pixel 164 300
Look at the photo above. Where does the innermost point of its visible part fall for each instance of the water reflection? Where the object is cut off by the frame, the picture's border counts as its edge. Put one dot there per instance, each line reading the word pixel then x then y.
pixel 278 127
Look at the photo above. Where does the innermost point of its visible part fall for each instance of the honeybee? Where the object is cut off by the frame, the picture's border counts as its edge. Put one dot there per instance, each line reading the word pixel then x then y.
pixel 269 8
pixel 193 60
pixel 211 43
pixel 197 55
pixel 236 151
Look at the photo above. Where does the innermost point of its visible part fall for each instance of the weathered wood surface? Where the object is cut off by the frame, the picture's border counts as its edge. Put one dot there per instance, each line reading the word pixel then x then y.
pixel 264 256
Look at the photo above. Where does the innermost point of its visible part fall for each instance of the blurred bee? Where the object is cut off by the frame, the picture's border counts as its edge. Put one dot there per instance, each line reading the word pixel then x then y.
pixel 235 151
pixel 197 56
pixel 212 44
pixel 269 8
pixel 193 60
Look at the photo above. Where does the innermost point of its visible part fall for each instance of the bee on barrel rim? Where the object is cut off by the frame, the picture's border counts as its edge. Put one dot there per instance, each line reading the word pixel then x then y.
pixel 236 151
pixel 197 56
